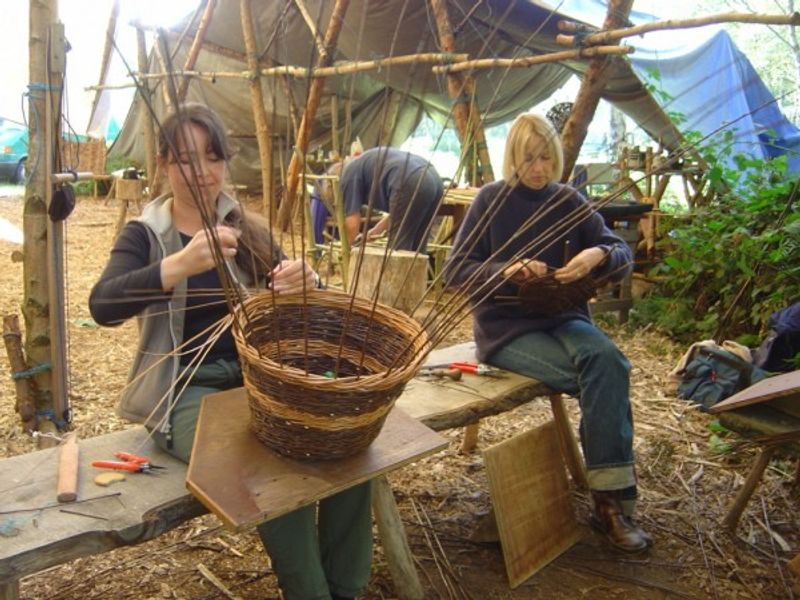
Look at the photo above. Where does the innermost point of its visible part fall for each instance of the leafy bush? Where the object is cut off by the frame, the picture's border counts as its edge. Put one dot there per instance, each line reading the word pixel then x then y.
pixel 736 260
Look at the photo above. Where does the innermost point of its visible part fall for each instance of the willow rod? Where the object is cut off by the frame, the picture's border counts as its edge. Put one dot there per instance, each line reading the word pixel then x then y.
pixel 316 88
pixel 259 112
pixel 604 37
pixel 491 63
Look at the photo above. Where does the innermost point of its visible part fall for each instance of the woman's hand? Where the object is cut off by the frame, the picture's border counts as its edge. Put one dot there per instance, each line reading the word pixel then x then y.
pixel 581 265
pixel 522 270
pixel 288 277
pixel 198 256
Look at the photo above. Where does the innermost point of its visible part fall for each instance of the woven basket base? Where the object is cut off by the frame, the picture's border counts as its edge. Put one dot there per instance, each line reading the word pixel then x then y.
pixel 282 436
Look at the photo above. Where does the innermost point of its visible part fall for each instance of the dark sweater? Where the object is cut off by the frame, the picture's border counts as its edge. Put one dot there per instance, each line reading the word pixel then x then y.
pixel 129 284
pixel 382 171
pixel 489 248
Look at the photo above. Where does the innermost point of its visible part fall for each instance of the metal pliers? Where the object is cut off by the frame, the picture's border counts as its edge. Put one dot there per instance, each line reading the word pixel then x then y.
pixel 128 462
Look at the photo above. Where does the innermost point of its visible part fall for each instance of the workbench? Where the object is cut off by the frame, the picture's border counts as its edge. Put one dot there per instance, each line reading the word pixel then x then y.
pixel 38 534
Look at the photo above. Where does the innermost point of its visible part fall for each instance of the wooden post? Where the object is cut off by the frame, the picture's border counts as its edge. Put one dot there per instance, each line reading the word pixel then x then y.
pixel 259 112
pixel 145 118
pixel 111 31
pixel 391 109
pixel 395 545
pixel 26 394
pixel 316 88
pixel 569 445
pixel 592 85
pixel 194 50
pixel 335 145
pixel 465 110
pixel 36 297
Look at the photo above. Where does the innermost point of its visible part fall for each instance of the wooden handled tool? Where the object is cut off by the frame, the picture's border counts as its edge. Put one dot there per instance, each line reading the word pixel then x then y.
pixel 68 469
pixel 454 374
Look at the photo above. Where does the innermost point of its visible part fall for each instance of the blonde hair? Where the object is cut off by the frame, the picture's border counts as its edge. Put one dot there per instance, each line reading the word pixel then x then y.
pixel 524 127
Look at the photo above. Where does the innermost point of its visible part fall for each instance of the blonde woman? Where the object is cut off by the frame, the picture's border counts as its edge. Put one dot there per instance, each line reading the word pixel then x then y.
pixel 523 228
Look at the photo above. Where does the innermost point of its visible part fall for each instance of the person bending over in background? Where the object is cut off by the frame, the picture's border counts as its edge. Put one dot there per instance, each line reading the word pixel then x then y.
pixel 162 271
pixel 404 185
pixel 562 348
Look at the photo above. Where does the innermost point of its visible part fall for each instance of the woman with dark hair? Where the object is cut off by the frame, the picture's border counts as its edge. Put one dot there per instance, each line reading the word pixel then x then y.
pixel 162 271
pixel 516 232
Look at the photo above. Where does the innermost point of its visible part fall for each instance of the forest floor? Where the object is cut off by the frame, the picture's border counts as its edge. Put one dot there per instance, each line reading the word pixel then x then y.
pixel 687 481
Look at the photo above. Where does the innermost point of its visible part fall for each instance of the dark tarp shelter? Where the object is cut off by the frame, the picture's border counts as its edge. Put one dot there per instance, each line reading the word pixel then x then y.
pixel 371 30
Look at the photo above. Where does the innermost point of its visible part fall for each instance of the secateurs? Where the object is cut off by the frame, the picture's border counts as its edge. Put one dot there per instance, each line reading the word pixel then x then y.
pixel 128 462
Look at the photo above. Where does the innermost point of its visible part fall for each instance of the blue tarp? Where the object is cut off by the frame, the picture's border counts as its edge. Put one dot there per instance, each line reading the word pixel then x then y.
pixel 707 80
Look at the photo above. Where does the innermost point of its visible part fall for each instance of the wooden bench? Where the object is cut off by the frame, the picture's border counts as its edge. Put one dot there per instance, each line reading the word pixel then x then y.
pixel 38 535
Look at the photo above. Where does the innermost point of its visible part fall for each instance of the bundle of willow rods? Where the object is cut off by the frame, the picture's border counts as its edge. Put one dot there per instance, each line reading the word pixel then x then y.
pixel 323 370
pixel 547 296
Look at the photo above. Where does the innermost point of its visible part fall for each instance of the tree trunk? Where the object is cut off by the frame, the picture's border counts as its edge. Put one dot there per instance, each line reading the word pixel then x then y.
pixel 36 302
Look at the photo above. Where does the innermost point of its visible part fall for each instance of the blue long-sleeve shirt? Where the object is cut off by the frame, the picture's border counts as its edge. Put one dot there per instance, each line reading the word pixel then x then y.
pixel 505 224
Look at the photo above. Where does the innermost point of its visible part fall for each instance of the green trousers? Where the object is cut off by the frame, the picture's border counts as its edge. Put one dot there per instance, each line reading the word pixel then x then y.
pixel 316 550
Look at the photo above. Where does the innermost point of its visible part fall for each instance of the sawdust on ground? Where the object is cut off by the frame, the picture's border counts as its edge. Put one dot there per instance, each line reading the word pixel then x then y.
pixel 686 487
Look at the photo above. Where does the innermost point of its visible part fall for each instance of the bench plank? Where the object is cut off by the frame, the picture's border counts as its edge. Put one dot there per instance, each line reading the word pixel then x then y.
pixel 147 505
pixel 445 404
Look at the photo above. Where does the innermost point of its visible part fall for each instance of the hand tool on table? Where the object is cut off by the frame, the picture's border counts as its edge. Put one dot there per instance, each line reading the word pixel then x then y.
pixel 476 369
pixel 128 462
pixel 454 374
pixel 67 487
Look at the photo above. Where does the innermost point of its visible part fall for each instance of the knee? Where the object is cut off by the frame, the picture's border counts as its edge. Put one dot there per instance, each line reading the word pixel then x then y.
pixel 606 356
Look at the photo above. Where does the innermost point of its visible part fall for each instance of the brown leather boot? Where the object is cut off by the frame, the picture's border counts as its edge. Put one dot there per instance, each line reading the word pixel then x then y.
pixel 620 530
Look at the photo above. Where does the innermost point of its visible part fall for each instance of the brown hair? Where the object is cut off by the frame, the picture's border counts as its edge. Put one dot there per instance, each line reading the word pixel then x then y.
pixel 198 114
pixel 258 253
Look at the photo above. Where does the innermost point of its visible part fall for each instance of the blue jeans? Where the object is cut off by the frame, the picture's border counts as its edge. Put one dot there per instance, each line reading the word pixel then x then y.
pixel 580 360
pixel 315 550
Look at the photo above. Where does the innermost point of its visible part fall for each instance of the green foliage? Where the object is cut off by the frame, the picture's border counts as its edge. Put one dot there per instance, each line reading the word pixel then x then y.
pixel 733 262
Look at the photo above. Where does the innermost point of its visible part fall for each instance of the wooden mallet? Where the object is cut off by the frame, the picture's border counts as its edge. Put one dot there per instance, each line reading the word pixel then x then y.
pixel 68 469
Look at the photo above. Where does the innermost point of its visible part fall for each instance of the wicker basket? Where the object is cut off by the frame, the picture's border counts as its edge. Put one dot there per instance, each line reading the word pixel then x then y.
pixel 289 351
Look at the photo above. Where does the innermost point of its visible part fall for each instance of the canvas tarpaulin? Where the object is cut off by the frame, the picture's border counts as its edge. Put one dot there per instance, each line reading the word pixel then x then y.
pixel 374 30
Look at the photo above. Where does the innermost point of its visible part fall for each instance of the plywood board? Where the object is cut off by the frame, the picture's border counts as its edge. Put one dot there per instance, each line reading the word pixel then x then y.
pixel 779 386
pixel 244 483
pixel 531 501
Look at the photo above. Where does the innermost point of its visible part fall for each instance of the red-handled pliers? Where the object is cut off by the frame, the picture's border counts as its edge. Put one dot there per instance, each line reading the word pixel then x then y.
pixel 475 369
pixel 128 462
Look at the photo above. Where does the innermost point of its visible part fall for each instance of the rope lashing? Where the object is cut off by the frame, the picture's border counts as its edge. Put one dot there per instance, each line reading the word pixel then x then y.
pixel 32 371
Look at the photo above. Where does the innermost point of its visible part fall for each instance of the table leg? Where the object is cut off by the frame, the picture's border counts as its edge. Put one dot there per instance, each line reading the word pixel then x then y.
pixel 9 591
pixel 743 497
pixel 569 445
pixel 395 545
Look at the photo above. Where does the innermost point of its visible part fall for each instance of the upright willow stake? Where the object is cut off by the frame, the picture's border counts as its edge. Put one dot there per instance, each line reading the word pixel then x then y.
pixel 194 51
pixel 259 112
pixel 592 85
pixel 465 110
pixel 312 102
